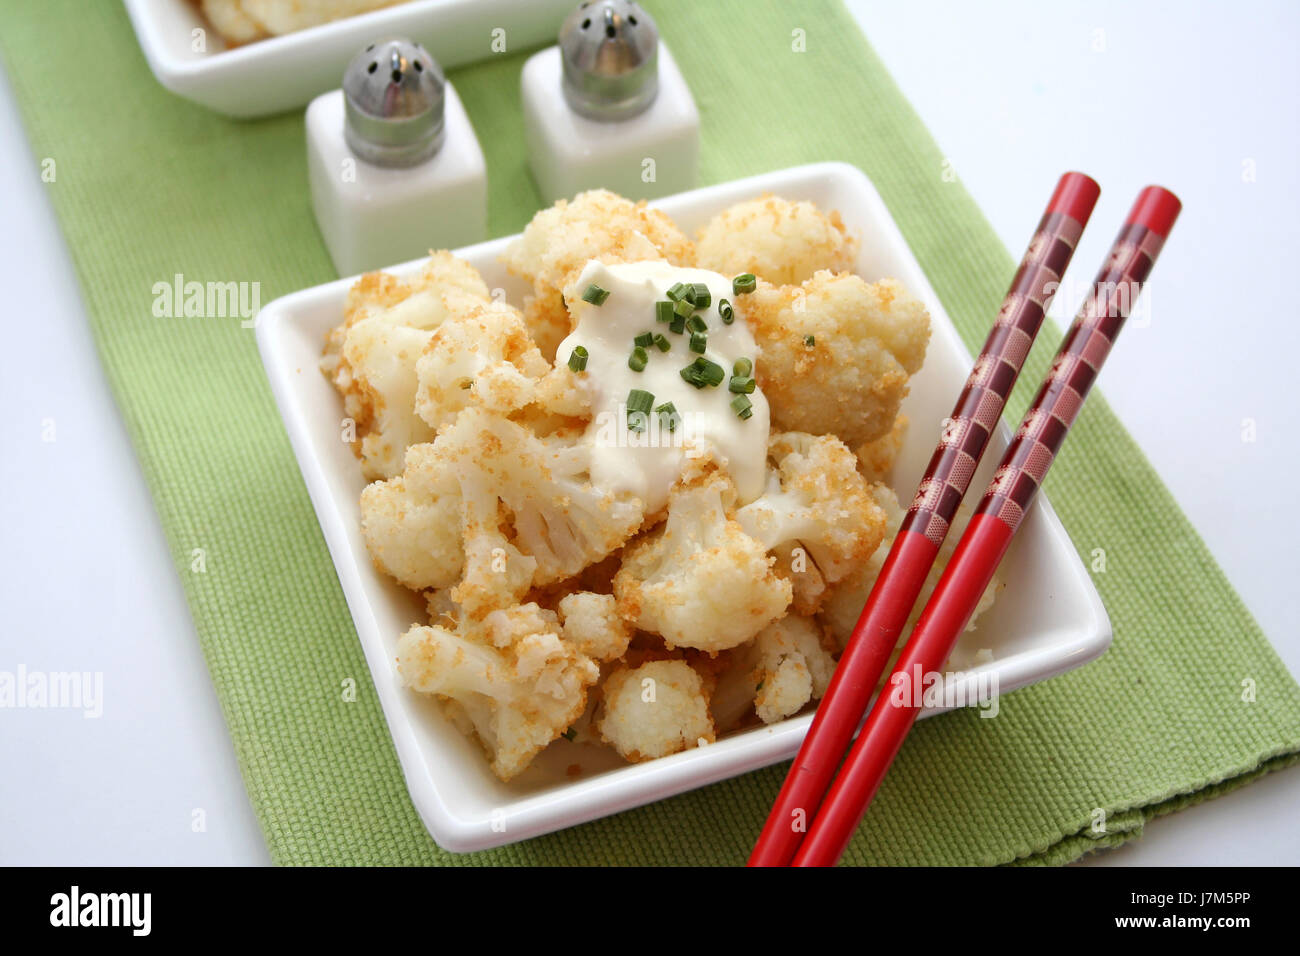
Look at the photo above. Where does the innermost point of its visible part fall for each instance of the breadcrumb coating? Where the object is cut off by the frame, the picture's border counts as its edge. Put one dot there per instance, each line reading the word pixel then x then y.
pixel 483 357
pixel 511 677
pixel 776 239
pixel 701 581
pixel 836 353
pixel 371 356
pixel 818 507
pixel 595 225
pixel 654 710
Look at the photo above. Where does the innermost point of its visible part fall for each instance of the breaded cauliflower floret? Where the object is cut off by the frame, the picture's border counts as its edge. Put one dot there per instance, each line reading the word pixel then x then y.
pixel 701 581
pixel 795 667
pixel 512 677
pixel 497 573
pixel 564 392
pixel 836 353
pixel 412 523
pixel 371 356
pixel 815 500
pixel 776 239
pixel 656 709
pixel 845 600
pixel 784 667
pixel 594 225
pixel 593 625
pixel 378 292
pixel 559 518
pixel 482 358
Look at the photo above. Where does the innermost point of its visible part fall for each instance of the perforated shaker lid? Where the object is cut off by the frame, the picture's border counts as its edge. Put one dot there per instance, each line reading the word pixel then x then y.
pixel 610 50
pixel 395 97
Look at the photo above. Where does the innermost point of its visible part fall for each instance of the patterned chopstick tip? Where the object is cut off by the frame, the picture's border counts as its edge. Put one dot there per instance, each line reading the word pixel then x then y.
pixel 1078 362
pixel 965 433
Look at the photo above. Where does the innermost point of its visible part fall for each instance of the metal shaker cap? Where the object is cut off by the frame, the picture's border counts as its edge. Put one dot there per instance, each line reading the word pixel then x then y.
pixel 394 97
pixel 610 50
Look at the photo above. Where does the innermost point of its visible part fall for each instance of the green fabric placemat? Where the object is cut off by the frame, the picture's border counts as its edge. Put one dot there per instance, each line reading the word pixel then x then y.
pixel 148 185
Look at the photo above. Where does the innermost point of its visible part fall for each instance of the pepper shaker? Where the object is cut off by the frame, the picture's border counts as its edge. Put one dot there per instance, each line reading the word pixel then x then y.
pixel 608 107
pixel 394 165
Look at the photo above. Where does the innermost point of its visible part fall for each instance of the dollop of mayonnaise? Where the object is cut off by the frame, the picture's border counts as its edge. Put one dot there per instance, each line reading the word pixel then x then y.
pixel 647 463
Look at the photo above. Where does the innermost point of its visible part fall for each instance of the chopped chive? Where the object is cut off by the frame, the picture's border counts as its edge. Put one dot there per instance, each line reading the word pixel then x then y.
pixel 702 372
pixel 745 282
pixel 668 417
pixel 678 291
pixel 595 295
pixel 742 406
pixel 636 361
pixel 702 295
pixel 741 383
pixel 810 340
pixel 663 311
pixel 577 359
pixel 699 342
pixel 677 325
pixel 742 367
pixel 697 324
pixel 662 343
pixel 684 308
pixel 636 421
pixel 726 311
pixel 569 734
pixel 639 400
pixel 644 339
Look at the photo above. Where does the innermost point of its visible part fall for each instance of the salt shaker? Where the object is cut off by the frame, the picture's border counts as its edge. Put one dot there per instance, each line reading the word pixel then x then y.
pixel 394 165
pixel 608 107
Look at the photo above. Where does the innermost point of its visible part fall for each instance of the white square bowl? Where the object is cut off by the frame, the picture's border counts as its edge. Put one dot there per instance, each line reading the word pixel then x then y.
pixel 280 73
pixel 1047 621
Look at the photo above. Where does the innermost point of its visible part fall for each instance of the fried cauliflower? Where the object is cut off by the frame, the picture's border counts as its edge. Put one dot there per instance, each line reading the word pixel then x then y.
pixel 654 710
pixel 558 517
pixel 512 678
pixel 776 239
pixel 836 353
pixel 782 669
pixel 557 604
pixel 593 625
pixel 818 502
pixel 411 524
pixel 371 357
pixel 558 242
pixel 701 581
pixel 484 358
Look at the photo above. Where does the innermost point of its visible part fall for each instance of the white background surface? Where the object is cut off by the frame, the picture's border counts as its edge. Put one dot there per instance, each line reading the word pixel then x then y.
pixel 1191 96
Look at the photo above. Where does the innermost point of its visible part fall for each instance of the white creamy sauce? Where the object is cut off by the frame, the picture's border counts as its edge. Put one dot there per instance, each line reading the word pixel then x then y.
pixel 648 463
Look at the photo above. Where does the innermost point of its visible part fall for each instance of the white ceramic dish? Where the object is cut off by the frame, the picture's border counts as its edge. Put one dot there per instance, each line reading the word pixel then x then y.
pixel 1050 622
pixel 280 73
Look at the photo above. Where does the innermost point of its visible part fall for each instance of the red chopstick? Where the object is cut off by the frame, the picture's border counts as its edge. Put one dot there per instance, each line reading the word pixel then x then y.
pixel 964 438
pixel 1009 495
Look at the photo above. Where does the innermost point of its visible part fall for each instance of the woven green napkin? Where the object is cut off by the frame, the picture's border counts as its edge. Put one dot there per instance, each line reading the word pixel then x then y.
pixel 148 185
